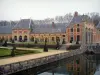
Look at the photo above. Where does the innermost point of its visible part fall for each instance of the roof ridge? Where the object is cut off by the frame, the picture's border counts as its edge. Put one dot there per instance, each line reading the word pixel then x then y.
pixel 30 23
pixel 17 23
pixel 98 24
pixel 71 20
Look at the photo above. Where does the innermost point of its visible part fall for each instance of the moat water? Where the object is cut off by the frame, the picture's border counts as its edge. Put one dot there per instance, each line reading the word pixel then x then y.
pixel 77 65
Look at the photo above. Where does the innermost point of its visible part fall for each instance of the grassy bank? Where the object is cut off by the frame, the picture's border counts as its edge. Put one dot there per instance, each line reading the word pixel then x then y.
pixel 4 52
pixel 7 52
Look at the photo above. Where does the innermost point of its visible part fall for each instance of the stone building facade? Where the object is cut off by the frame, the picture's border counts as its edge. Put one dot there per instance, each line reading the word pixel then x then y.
pixel 25 30
pixel 77 26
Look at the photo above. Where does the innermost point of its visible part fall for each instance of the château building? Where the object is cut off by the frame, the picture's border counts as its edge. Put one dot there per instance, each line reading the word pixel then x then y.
pixel 72 32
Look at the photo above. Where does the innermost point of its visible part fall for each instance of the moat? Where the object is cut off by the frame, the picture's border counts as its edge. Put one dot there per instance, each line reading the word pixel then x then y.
pixel 76 65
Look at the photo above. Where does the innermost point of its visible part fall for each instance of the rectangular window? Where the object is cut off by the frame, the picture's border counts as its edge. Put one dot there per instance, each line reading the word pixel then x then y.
pixel 71 29
pixel 78 29
pixel 78 69
pixel 78 37
pixel 78 61
pixel 72 38
pixel 78 25
pixel 63 35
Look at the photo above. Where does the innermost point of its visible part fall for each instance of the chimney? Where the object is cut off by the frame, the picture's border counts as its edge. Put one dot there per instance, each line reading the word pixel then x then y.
pixel 76 13
pixel 53 24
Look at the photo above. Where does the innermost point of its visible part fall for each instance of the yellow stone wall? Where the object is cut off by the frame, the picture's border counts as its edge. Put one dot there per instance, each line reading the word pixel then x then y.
pixel 6 36
pixel 21 32
pixel 48 36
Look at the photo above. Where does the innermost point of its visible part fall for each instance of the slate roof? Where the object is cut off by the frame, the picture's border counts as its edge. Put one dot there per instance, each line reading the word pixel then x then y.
pixel 41 28
pixel 76 19
pixel 5 29
pixel 98 26
pixel 48 28
pixel 23 24
pixel 80 18
pixel 4 23
pixel 13 23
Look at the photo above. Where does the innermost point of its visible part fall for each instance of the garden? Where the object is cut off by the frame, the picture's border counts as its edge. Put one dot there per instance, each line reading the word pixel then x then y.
pixel 4 52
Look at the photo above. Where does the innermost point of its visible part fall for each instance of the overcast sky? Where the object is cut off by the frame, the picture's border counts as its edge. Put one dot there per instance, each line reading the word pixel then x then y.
pixel 41 9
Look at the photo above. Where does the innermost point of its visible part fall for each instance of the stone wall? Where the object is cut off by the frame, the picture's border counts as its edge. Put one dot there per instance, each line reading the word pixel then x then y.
pixel 23 65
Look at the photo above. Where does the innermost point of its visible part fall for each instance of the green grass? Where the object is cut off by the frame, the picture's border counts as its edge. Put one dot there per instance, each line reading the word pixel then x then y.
pixel 4 52
pixel 7 53
pixel 22 52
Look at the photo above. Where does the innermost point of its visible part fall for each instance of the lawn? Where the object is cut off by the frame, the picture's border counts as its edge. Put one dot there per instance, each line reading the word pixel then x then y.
pixel 21 52
pixel 7 52
pixel 4 52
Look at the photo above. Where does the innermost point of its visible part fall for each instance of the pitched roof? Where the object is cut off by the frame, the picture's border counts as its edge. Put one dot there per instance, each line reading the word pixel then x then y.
pixel 48 28
pixel 4 23
pixel 41 28
pixel 23 24
pixel 13 23
pixel 5 29
pixel 76 19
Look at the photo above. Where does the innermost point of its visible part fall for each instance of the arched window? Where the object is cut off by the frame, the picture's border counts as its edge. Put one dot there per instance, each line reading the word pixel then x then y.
pixel 25 38
pixel 78 37
pixel 15 38
pixel 20 38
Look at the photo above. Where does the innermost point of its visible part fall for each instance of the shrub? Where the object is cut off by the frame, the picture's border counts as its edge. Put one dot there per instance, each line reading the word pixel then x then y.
pixel 5 44
pixel 36 42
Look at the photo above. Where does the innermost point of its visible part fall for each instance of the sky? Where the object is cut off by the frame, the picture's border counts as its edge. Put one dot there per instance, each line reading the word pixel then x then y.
pixel 41 9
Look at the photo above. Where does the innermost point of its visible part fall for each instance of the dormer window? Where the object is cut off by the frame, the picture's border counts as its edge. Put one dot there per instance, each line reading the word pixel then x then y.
pixel 78 29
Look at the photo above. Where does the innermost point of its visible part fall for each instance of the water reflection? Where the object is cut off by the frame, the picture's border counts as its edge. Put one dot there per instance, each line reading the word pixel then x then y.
pixel 76 65
pixel 79 65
